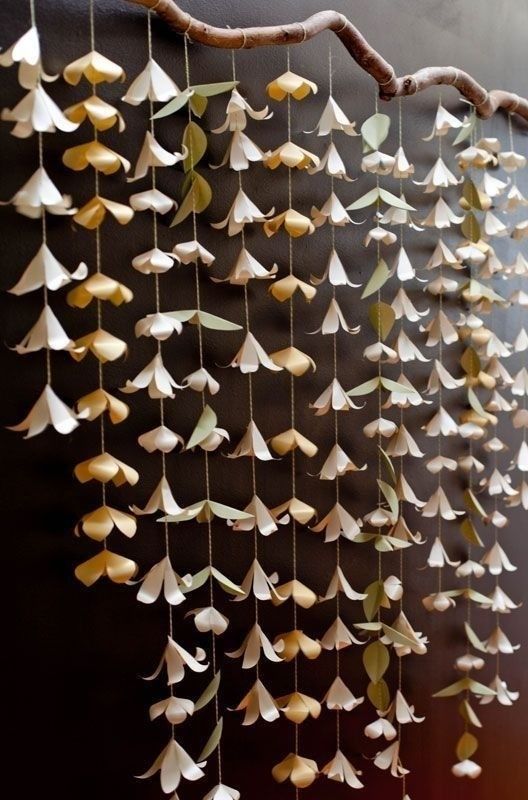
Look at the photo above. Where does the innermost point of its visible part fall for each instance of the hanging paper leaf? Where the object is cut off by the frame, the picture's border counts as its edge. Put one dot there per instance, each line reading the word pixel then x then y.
pixel 390 496
pixel 470 362
pixel 382 319
pixel 476 405
pixel 465 684
pixel 212 89
pixel 174 105
pixel 466 130
pixel 208 693
pixel 379 695
pixel 213 741
pixel 470 227
pixel 195 140
pixel 376 660
pixel 475 506
pixel 375 596
pixel 470 533
pixel 375 194
pixel 196 200
pixel 471 195
pixel 466 746
pixel 387 463
pixel 378 278
pixel 473 638
pixel 374 131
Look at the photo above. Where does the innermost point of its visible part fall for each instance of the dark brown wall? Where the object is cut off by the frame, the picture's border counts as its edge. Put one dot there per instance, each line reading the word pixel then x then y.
pixel 78 726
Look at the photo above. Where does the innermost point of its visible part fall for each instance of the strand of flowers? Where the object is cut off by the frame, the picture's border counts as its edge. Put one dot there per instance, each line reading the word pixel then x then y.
pixel 338 522
pixel 105 347
pixel 37 112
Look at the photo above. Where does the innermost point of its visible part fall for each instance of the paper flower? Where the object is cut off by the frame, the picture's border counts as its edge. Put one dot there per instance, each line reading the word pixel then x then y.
pixel 390 759
pixel 378 163
pixel 95 68
pixel 154 377
pixel 257 703
pixel 438 504
pixel 237 109
pixel 251 647
pixel 251 356
pixel 176 659
pixel 340 769
pixel 444 122
pixel 334 397
pixel 105 468
pixel 162 576
pixel 175 709
pixel 161 439
pixel 152 200
pixel 48 410
pixel 159 326
pixel 290 84
pixel 241 212
pixel 93 213
pixel 332 211
pixel 299 770
pixel 294 223
pixel 192 252
pixel 441 216
pixel 209 620
pixel 257 583
pixel 286 287
pixel 290 644
pixel 466 769
pixel 240 153
pixel 339 583
pixel 247 268
pixel 100 287
pixel 338 463
pixel 474 156
pixel 338 636
pixel 340 698
pixel 292 156
pixel 153 84
pixel 45 270
pixel 338 522
pixel 511 161
pixel 293 360
pixel 334 273
pixel 173 763
pixel 116 568
pixel 402 167
pixel 381 727
pixel 152 154
pixel 92 405
pixel 94 154
pixel 261 518
pixel 200 380
pixel 290 440
pixel 40 194
pixel 301 594
pixel 101 114
pixel 252 444
pixel 439 177
pixel 297 707
pixel 505 696
pixel 161 499
pixel 37 112
pixel 46 333
pixel 222 792
pixel 153 261
pixel 98 524
pixel 26 53
pixel 301 512
pixel 332 163
pixel 334 320
pixel 103 345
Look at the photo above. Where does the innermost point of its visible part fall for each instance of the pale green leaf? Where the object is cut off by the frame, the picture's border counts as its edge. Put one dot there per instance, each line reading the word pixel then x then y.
pixel 213 741
pixel 390 497
pixel 211 89
pixel 364 388
pixel 473 638
pixel 174 105
pixel 376 660
pixel 208 693
pixel 203 428
pixel 195 140
pixel 380 276
pixel 382 318
pixel 375 130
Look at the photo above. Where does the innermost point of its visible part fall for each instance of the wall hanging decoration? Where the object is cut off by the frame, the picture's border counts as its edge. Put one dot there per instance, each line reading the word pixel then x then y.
pixel 307 307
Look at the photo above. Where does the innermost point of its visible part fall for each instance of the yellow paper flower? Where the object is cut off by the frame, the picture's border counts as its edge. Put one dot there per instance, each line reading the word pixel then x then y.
pixel 293 360
pixel 289 644
pixel 291 155
pixel 94 154
pixel 294 223
pixel 102 288
pixel 292 84
pixel 104 346
pixel 290 440
pixel 100 113
pixel 301 771
pixel 297 707
pixel 99 524
pixel 99 401
pixel 285 288
pixel 104 468
pixel 92 214
pixel 95 68
pixel 117 568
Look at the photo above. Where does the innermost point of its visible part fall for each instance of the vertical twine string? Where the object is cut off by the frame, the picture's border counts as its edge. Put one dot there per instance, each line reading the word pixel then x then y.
pixel 250 386
pixel 440 524
pixel 379 395
pixel 206 454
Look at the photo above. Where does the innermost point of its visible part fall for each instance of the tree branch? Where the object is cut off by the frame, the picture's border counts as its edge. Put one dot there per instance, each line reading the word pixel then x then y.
pixel 486 103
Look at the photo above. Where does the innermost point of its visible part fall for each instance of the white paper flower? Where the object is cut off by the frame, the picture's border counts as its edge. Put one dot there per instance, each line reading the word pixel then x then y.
pixel 332 163
pixel 26 53
pixel 45 270
pixel 48 410
pixel 152 83
pixel 192 252
pixel 200 380
pixel 173 763
pixel 247 268
pixel 341 770
pixel 47 333
pixel 162 576
pixel 155 378
pixel 152 200
pixel 441 216
pixel 152 154
pixel 37 112
pixel 158 325
pixel 332 211
pixel 161 499
pixel 237 108
pixel 252 356
pixel 242 212
pixel 241 152
pixel 153 261
pixel 378 163
pixel 444 122
pixel 466 769
pixel 161 438
pixel 40 194
pixel 222 792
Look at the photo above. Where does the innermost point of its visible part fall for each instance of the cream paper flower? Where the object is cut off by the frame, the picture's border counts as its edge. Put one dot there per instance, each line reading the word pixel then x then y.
pixel 95 68
pixel 444 122
pixel 161 499
pixel 152 200
pixel 332 163
pixel 247 268
pixel 37 112
pixel 155 378
pixel 153 84
pixel 338 522
pixel 173 763
pixel 26 53
pixel 45 270
pixel 46 333
pixel 340 769
pixel 242 212
pixel 152 154
pixel 40 194
pixel 48 410
pixel 154 261
pixel 237 109
pixel 289 83
pixel 241 152
pixel 101 114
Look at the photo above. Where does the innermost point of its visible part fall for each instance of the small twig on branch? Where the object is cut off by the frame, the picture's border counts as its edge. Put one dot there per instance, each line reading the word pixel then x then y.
pixel 486 103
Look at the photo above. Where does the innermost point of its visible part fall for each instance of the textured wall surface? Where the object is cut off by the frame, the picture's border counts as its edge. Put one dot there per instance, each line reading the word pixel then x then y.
pixel 78 726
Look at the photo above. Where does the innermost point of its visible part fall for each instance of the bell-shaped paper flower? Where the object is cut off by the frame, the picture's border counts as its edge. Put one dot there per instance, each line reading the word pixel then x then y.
pixel 290 440
pixel 161 499
pixel 340 698
pixel 402 167
pixel 158 325
pixel 474 156
pixel 258 584
pixel 175 709
pixel 301 594
pixel 173 764
pixel 332 211
pixel 222 792
pixel 246 268
pixel 440 328
pixel 438 557
pixel 93 213
pixel 294 223
pixel 153 84
pixel 334 273
pixel 496 560
pixel 193 252
pixel 237 108
pixel 380 236
pixel 101 114
pixel 103 345
pixel 442 256
pixel 378 163
pixel 334 397
pixel 338 463
pixel 332 163
pixel 292 156
pixel 439 601
pixel 95 68
pixel 155 378
pixel 96 155
pixel 407 350
pixel 334 320
pixel 241 152
pixel 285 288
pixel 37 112
pixel 439 505
pixel 339 583
pixel 46 333
pixel 441 424
pixel 153 261
pixel 92 405
pixel 105 468
pixel 444 122
pixel 293 360
pixel 160 439
pixel 200 380
pixel 338 636
pixel 251 356
pixel 261 518
pixel 390 759
pixel 26 53
pixel 338 522
pixel 417 642
pixel 152 200
pixel 341 770
pixel 209 620
pixel 176 659
pixel 116 568
pixel 441 216
pixel 301 771
pixel 299 511
pixel 466 769
pixel 162 576
pixel 152 154
pixel 511 161
pixel 48 410
pixel 290 84
pixel 251 647
pixel 403 444
pixel 500 602
pixel 45 270
pixel 241 212
pixel 258 702
pixel 298 707
pixel 381 727
pixel 505 696
pixel 99 287
pixel 333 118
pixel 98 524
pixel 252 444
pixel 39 194
pixel 290 644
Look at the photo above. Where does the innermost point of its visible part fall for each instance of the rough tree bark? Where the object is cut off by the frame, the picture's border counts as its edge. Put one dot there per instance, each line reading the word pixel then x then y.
pixel 486 102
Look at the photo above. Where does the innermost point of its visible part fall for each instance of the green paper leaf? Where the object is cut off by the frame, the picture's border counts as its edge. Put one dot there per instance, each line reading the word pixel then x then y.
pixel 379 695
pixel 463 685
pixel 376 660
pixel 470 362
pixel 195 140
pixel 394 386
pixel 398 638
pixel 476 405
pixel 382 319
pixel 365 200
pixel 394 200
pixel 227 585
pixel 198 105
pixel 364 388
pixel 390 497
pixel 226 512
pixel 470 533
pixel 380 276
pixel 374 131
pixel 211 89
pixel 387 463
pixel 375 595
pixel 473 638
pixel 174 105
pixel 208 693
pixel 213 741
pixel 466 131
pixel 470 227
pixel 197 198
pixel 471 195
pixel 466 746
pixel 466 712
pixel 473 505
pixel 205 426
